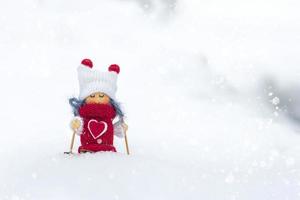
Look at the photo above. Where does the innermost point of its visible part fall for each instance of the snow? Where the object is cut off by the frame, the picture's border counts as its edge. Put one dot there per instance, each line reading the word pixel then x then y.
pixel 197 81
pixel 275 101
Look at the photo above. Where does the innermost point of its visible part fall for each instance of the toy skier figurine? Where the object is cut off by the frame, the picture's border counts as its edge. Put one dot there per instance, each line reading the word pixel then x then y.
pixel 96 108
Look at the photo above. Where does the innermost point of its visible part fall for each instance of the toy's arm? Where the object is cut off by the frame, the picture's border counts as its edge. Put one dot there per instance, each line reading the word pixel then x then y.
pixel 120 128
pixel 77 125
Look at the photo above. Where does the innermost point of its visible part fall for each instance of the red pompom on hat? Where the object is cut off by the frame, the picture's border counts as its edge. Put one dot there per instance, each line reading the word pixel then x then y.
pixel 114 68
pixel 87 62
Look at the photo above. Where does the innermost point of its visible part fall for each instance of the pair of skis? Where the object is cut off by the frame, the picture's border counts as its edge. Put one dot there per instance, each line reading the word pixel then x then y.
pixel 73 139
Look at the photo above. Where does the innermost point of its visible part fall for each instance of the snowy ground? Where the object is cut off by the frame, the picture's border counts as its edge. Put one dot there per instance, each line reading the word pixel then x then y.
pixel 210 88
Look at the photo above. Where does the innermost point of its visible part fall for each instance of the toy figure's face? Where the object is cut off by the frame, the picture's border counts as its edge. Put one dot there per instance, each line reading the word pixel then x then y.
pixel 97 97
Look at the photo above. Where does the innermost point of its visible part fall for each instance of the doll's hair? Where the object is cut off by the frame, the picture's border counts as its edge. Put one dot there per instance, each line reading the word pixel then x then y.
pixel 117 106
pixel 76 104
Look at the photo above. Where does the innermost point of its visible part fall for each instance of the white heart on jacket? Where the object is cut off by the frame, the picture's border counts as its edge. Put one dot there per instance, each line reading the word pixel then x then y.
pixel 97 129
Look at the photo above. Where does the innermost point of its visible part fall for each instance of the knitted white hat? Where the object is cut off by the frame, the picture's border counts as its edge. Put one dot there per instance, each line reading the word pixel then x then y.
pixel 91 81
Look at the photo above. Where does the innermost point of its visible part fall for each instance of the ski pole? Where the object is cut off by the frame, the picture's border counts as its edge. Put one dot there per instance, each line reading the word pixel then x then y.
pixel 126 143
pixel 125 137
pixel 72 144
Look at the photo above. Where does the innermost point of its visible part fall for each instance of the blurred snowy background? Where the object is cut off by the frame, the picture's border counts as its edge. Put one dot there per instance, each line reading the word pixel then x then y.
pixel 211 91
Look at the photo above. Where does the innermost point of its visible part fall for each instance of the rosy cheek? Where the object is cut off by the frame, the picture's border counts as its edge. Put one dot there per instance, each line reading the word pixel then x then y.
pixel 105 100
pixel 90 100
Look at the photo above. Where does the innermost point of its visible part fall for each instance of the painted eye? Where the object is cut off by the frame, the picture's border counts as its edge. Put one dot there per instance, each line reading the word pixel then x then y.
pixel 92 96
pixel 101 95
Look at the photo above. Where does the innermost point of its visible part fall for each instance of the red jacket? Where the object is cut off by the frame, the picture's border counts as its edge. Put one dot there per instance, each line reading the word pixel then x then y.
pixel 97 132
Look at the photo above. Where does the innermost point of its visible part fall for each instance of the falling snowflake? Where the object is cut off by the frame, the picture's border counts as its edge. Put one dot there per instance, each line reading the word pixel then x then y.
pixel 229 179
pixel 34 175
pixel 275 101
